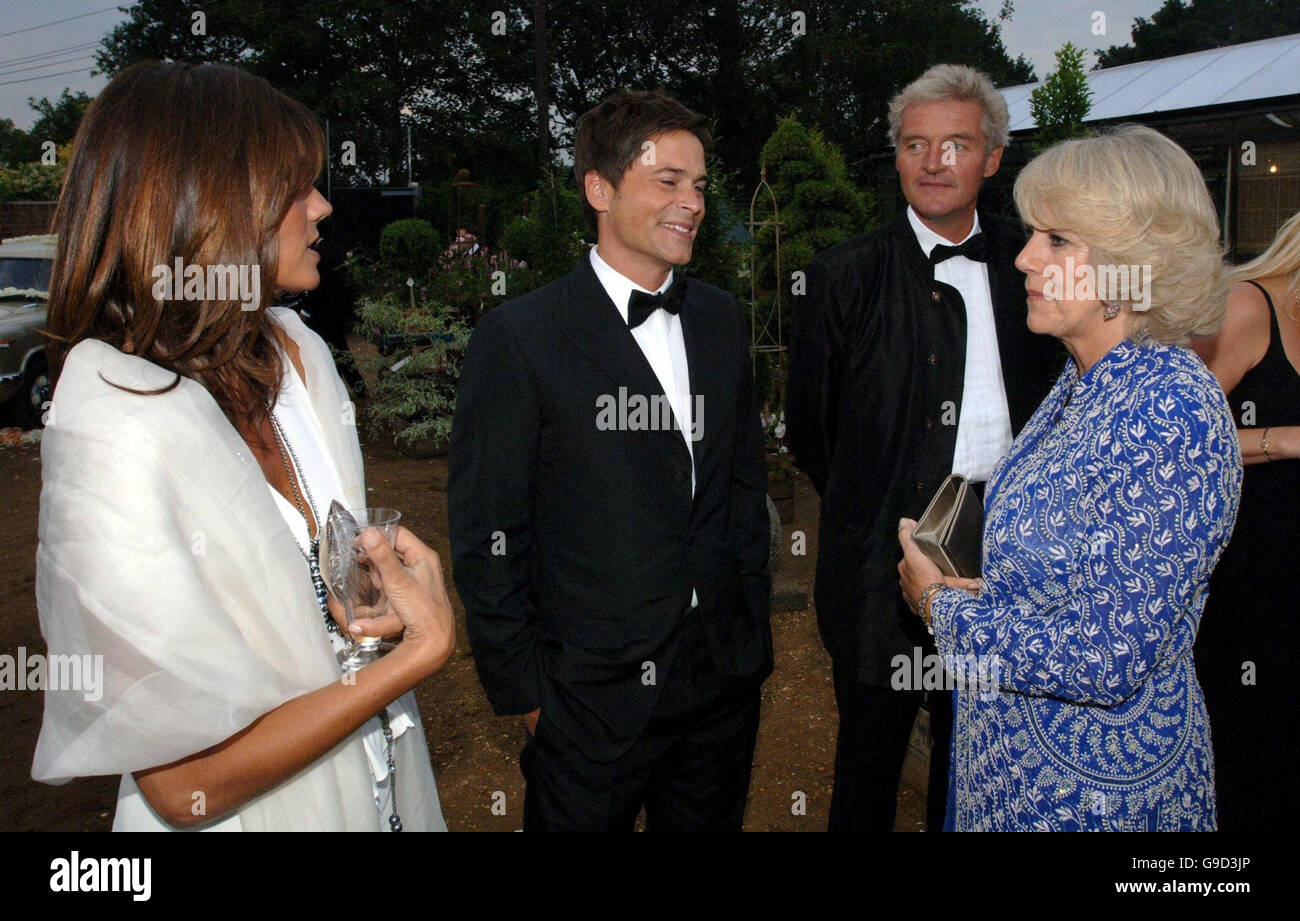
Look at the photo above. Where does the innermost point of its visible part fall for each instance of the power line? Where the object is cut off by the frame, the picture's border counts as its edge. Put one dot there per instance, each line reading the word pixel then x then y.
pixel 57 21
pixel 19 70
pixel 45 54
pixel 63 73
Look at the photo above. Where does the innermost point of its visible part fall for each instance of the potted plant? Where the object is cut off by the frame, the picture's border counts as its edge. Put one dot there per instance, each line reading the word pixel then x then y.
pixel 418 369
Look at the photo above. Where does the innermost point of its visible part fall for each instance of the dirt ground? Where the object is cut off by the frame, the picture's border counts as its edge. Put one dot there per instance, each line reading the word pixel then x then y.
pixel 474 753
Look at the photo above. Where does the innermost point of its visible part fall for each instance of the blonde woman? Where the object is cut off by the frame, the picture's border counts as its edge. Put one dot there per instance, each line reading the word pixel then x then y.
pixel 1247 645
pixel 1106 517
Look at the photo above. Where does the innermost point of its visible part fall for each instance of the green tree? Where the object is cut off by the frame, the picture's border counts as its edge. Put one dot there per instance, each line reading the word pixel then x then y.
pixel 465 70
pixel 718 58
pixel 1182 27
pixel 362 65
pixel 1061 103
pixel 55 121
pixel 834 64
pixel 14 143
pixel 547 237
pixel 58 121
pixel 819 205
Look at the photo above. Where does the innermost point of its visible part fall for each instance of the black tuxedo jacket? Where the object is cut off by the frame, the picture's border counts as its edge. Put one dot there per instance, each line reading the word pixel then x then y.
pixel 874 392
pixel 575 548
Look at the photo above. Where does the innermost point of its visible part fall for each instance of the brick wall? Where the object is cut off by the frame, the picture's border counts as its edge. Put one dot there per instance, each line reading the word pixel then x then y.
pixel 20 218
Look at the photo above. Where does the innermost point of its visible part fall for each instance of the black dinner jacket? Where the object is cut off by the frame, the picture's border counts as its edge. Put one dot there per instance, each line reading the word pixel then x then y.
pixel 874 391
pixel 574 548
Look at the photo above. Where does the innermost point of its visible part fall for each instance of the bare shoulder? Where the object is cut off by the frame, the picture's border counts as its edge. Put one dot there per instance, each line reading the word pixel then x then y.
pixel 1248 313
pixel 1241 341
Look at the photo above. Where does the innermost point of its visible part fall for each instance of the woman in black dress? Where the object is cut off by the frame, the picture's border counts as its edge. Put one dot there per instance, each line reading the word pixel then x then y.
pixel 1247 650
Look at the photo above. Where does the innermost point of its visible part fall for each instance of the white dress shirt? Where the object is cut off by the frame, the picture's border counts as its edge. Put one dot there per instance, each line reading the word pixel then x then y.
pixel 984 427
pixel 661 341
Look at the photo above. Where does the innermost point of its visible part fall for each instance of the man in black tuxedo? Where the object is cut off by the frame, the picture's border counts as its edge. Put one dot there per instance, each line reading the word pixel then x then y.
pixel 911 360
pixel 612 561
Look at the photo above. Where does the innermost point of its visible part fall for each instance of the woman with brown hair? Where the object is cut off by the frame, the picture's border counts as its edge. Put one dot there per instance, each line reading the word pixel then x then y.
pixel 1248 640
pixel 195 439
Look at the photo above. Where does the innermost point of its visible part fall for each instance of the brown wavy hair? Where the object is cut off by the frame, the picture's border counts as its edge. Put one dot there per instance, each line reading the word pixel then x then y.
pixel 198 162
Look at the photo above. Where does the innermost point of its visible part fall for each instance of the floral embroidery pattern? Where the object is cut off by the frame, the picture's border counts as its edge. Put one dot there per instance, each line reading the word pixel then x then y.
pixel 1103 524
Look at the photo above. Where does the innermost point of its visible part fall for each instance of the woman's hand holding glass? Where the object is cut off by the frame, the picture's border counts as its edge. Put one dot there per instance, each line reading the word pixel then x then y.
pixel 418 609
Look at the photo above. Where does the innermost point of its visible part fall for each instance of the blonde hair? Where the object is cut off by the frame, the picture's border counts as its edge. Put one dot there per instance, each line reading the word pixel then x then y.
pixel 956 83
pixel 1136 198
pixel 1281 258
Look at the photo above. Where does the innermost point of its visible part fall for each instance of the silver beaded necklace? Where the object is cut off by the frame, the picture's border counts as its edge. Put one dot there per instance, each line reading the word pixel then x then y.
pixel 287 456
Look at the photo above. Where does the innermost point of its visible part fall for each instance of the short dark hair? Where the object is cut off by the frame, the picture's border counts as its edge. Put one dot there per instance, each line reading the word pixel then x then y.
pixel 610 136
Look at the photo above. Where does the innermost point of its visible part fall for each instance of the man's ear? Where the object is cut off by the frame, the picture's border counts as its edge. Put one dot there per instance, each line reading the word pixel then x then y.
pixel 599 191
pixel 992 162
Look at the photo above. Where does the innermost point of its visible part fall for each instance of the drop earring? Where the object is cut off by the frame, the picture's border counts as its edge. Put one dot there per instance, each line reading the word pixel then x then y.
pixel 1111 311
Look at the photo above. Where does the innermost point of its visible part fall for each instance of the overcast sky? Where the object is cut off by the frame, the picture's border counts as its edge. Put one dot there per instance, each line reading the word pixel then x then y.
pixel 35 50
pixel 1039 27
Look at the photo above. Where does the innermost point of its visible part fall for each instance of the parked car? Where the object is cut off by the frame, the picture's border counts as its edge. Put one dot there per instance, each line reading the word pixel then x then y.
pixel 25 264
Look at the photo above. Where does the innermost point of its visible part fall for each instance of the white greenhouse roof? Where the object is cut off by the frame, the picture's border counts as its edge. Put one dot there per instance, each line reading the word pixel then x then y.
pixel 1219 76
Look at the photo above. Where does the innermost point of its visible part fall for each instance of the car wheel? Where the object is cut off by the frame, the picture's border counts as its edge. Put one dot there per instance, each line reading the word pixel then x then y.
pixel 29 403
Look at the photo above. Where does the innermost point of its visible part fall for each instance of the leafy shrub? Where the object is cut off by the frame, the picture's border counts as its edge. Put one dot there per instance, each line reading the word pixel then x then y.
pixel 416 401
pixel 32 181
pixel 409 248
pixel 547 237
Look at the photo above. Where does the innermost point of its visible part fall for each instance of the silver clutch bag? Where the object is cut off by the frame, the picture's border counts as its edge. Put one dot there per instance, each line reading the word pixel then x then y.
pixel 951 531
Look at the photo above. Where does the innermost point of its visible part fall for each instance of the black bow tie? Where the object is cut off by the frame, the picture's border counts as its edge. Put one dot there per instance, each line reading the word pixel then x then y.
pixel 641 304
pixel 976 248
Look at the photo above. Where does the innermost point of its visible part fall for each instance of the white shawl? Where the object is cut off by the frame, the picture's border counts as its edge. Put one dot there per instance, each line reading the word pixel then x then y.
pixel 162 550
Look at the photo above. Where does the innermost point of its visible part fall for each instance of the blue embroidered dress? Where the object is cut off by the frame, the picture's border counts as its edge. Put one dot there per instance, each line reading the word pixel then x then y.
pixel 1103 524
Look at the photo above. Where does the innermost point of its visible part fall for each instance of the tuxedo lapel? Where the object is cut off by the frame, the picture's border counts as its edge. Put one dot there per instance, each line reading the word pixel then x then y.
pixel 914 257
pixel 703 348
pixel 594 325
pixel 1006 293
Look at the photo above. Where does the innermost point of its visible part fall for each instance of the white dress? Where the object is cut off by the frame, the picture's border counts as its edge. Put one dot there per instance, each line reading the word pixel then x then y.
pixel 305 434
pixel 163 549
